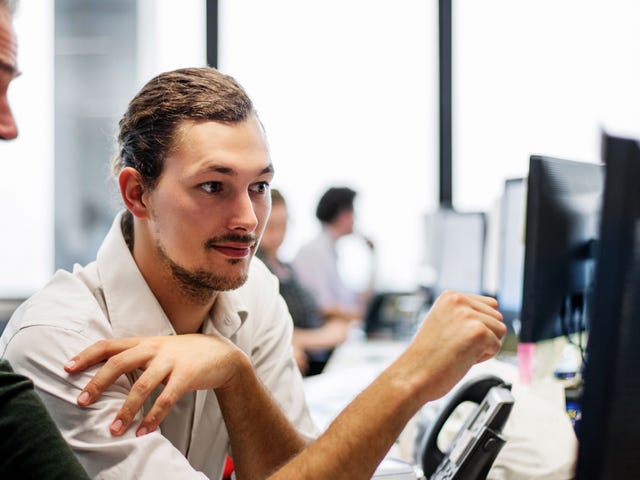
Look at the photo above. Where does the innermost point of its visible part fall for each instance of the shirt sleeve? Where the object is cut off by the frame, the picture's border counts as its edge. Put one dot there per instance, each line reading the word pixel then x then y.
pixel 86 429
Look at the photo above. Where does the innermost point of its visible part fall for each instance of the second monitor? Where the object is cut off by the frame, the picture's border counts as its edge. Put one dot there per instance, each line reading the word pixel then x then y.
pixel 562 225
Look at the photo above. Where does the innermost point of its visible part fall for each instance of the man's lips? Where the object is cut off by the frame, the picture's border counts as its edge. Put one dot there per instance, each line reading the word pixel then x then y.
pixel 234 251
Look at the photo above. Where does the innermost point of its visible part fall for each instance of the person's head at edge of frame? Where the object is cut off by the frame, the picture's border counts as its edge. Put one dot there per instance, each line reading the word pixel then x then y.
pixel 194 170
pixel 8 68
pixel 335 210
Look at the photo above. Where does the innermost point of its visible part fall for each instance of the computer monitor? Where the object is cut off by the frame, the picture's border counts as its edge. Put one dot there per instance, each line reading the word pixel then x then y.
pixel 609 434
pixel 511 250
pixel 562 220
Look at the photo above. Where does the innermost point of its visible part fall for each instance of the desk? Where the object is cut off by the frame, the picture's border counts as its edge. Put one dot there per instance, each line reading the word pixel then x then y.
pixel 351 368
pixel 538 429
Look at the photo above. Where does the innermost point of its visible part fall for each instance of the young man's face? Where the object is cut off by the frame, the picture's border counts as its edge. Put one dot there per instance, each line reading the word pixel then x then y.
pixel 8 71
pixel 210 205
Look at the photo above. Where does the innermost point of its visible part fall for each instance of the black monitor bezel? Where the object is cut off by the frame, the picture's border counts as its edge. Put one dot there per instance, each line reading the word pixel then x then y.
pixel 551 257
pixel 609 431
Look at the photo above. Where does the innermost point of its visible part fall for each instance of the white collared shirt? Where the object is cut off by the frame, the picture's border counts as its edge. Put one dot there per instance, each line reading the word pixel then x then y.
pixel 109 299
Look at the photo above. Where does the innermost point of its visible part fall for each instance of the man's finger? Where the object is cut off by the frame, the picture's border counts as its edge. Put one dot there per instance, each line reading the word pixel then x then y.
pixel 140 391
pixel 99 352
pixel 163 405
pixel 486 309
pixel 107 375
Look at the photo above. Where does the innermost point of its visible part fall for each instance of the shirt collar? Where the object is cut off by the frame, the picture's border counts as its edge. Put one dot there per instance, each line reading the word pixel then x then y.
pixel 132 307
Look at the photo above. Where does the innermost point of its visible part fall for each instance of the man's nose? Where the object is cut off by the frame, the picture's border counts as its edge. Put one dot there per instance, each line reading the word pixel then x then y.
pixel 244 216
pixel 8 128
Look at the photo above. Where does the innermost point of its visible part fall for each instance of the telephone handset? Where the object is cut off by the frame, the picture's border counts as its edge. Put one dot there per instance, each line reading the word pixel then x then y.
pixel 476 445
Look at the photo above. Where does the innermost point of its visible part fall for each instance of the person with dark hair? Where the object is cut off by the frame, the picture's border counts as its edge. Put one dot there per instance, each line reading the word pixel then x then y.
pixel 334 202
pixel 31 445
pixel 316 262
pixel 314 337
pixel 176 345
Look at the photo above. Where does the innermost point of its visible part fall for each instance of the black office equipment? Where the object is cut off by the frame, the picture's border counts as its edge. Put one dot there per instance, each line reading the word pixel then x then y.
pixel 562 220
pixel 477 444
pixel 609 433
pixel 394 315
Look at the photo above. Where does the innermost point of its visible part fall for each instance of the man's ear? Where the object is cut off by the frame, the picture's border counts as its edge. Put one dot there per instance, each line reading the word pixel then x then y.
pixel 133 192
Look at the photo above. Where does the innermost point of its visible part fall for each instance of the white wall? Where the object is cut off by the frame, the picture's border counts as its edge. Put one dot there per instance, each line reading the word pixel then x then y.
pixel 170 35
pixel 347 94
pixel 26 164
pixel 538 76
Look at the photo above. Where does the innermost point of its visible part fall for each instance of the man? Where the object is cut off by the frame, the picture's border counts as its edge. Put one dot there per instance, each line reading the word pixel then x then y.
pixel 316 263
pixel 194 172
pixel 176 298
pixel 30 444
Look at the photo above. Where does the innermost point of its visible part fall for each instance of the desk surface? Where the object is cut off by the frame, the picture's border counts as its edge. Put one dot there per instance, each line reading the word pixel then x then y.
pixel 351 368
pixel 548 435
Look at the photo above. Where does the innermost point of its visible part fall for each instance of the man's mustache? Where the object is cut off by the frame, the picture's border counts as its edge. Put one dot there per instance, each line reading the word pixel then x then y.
pixel 231 238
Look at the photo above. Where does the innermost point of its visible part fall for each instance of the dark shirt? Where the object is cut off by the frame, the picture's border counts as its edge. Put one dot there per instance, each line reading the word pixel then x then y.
pixel 303 308
pixel 302 304
pixel 31 446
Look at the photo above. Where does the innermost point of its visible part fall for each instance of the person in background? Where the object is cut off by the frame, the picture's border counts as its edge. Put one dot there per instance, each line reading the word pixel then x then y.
pixel 31 445
pixel 316 262
pixel 179 327
pixel 314 337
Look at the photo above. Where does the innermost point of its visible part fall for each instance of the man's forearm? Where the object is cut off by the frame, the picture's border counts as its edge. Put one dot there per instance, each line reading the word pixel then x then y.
pixel 359 438
pixel 262 438
pixel 459 331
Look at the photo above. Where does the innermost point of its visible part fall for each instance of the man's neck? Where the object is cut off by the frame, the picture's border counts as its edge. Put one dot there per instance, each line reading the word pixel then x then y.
pixel 334 231
pixel 186 313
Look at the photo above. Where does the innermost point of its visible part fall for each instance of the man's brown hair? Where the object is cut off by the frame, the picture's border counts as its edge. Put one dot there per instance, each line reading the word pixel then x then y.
pixel 148 128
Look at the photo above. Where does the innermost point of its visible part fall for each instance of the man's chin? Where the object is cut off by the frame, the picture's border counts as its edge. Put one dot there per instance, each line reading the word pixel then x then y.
pixel 232 284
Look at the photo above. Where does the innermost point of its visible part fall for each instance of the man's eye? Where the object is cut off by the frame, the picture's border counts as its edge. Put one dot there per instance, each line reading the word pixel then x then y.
pixel 211 187
pixel 261 187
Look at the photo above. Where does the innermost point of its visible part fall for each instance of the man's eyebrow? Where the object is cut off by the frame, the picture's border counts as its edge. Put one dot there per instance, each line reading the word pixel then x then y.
pixel 267 169
pixel 230 171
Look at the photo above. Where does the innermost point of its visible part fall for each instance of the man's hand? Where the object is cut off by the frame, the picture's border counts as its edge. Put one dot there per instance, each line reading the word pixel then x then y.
pixel 182 362
pixel 459 331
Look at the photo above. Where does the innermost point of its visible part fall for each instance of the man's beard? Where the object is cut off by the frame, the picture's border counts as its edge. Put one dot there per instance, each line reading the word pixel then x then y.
pixel 200 285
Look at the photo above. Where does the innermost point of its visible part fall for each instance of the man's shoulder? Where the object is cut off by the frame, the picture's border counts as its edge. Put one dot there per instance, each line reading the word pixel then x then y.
pixel 65 301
